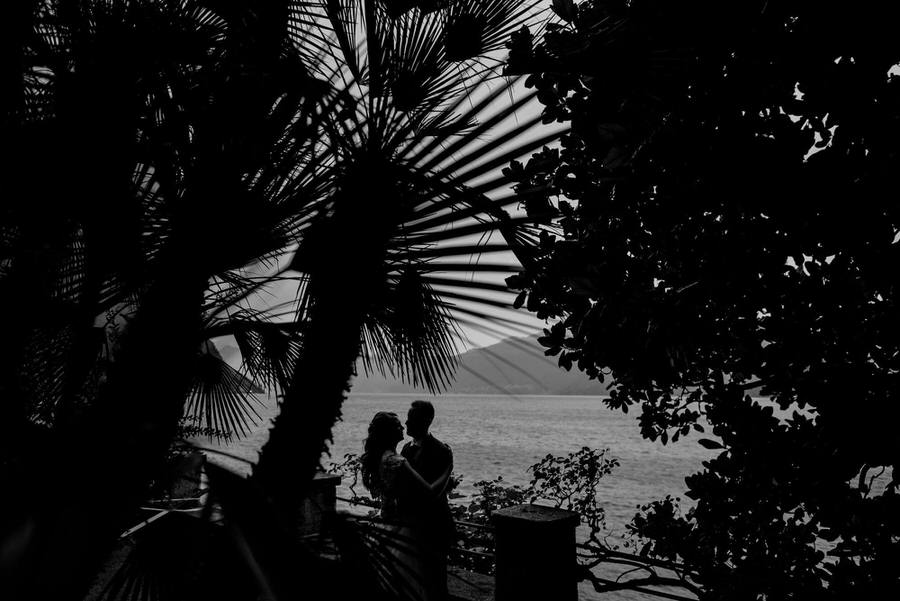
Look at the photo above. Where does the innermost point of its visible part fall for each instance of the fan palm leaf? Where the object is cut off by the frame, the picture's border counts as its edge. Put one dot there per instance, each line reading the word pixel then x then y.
pixel 204 114
pixel 367 292
pixel 269 351
pixel 218 401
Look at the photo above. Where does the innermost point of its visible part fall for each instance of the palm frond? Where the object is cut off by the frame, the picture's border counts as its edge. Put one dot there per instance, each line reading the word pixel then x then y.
pixel 505 322
pixel 413 336
pixel 394 55
pixel 457 250
pixel 365 290
pixel 269 350
pixel 478 28
pixel 233 291
pixel 442 213
pixel 433 236
pixel 507 157
pixel 423 136
pixel 475 133
pixel 222 400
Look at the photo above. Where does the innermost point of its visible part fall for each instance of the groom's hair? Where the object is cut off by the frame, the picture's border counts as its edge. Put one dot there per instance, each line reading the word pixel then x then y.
pixel 426 408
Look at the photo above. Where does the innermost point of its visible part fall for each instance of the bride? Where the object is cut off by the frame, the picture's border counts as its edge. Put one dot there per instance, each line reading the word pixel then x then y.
pixel 390 478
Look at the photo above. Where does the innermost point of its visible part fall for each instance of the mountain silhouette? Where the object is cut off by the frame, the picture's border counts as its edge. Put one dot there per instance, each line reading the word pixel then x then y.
pixel 511 366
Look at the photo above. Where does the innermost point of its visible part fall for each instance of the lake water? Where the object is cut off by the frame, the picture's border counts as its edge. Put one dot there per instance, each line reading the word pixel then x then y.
pixel 503 435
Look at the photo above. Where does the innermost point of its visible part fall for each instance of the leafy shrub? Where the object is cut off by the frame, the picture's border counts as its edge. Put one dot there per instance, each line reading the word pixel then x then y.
pixel 567 481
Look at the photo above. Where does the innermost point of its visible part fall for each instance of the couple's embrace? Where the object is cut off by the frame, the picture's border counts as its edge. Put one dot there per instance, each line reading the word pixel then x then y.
pixel 412 488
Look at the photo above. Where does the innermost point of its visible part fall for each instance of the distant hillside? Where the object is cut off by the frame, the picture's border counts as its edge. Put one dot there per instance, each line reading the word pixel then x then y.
pixel 513 366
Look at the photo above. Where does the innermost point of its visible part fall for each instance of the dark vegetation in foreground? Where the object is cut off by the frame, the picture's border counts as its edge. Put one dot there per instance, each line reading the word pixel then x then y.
pixel 167 164
pixel 569 482
pixel 728 220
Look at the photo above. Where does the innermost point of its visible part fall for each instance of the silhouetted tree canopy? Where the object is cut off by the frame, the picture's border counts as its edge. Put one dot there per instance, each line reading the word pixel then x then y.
pixel 163 160
pixel 727 223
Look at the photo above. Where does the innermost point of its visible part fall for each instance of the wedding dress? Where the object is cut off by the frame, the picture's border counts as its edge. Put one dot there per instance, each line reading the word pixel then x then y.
pixel 399 550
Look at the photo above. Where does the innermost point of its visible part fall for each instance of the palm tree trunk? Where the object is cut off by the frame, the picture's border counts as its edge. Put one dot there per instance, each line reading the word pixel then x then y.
pixel 87 487
pixel 290 458
pixel 343 256
pixel 312 405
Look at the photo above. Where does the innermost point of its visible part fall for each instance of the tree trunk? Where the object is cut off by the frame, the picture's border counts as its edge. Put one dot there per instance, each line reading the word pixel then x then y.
pixel 298 438
pixel 312 405
pixel 343 257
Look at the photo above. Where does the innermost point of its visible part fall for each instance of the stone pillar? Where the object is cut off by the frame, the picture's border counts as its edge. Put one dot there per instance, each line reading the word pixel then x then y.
pixel 319 503
pixel 535 553
pixel 186 475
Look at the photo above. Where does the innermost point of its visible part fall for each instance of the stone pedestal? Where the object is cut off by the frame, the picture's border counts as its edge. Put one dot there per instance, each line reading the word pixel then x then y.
pixel 319 503
pixel 186 475
pixel 535 553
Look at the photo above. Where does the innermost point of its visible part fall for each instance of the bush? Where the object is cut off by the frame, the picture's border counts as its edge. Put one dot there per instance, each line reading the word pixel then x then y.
pixel 567 481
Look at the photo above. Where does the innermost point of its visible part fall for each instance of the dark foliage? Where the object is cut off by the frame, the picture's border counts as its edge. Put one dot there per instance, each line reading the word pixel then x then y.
pixel 204 566
pixel 162 162
pixel 131 132
pixel 403 205
pixel 567 481
pixel 728 223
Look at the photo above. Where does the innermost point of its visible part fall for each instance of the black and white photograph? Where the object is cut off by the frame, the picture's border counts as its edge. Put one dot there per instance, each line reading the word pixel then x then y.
pixel 449 300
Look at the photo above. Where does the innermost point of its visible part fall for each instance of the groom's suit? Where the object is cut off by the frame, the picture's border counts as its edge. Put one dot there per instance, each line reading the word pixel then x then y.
pixel 431 458
pixel 431 516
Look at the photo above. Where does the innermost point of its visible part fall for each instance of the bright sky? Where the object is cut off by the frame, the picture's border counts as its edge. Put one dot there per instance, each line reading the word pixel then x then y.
pixel 501 323
pixel 477 332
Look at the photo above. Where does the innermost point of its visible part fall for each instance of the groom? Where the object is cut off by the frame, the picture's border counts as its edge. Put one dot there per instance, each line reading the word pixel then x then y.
pixel 431 458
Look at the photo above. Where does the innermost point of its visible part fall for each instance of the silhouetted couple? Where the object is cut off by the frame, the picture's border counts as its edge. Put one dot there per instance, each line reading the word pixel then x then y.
pixel 412 488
